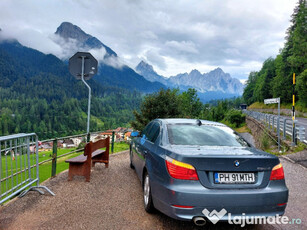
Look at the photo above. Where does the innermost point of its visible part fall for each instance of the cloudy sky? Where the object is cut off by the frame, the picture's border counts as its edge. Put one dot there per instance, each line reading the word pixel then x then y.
pixel 175 36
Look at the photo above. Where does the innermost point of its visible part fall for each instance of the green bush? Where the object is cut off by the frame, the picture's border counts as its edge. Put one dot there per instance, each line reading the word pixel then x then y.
pixel 265 141
pixel 235 117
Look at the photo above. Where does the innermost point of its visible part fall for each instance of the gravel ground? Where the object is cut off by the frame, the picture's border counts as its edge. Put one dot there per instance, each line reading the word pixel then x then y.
pixel 299 157
pixel 113 200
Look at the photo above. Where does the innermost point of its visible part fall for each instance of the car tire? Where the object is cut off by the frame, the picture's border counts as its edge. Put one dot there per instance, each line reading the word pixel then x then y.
pixel 131 165
pixel 148 204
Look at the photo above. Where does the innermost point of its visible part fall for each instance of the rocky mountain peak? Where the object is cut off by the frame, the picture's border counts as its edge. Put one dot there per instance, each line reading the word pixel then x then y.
pixel 143 66
pixel 218 70
pixel 147 71
pixel 195 72
pixel 68 30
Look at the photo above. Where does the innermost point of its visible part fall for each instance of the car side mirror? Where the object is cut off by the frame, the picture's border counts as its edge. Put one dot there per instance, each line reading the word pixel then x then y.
pixel 135 134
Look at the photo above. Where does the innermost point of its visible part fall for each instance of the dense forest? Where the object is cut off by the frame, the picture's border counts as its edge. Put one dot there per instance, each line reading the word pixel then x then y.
pixel 275 77
pixel 37 94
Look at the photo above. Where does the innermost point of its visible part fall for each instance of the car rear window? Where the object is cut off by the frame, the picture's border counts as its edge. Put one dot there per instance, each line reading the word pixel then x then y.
pixel 204 135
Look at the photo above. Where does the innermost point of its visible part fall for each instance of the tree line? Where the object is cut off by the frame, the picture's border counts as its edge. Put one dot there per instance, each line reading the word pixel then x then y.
pixel 275 79
pixel 171 103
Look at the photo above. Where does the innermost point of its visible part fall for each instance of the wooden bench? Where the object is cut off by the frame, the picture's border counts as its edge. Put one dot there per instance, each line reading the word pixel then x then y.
pixel 81 165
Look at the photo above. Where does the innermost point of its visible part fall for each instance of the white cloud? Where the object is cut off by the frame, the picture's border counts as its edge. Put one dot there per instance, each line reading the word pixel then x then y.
pixel 182 47
pixel 175 35
pixel 152 55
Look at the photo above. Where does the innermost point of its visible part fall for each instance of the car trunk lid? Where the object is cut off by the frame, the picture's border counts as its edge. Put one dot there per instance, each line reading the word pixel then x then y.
pixel 209 161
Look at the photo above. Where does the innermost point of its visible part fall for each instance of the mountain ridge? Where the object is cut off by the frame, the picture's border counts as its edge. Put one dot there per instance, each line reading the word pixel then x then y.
pixel 215 80
pixel 68 30
pixel 122 76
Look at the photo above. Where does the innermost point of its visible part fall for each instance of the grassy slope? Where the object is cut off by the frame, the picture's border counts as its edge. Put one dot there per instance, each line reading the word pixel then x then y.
pixel 44 169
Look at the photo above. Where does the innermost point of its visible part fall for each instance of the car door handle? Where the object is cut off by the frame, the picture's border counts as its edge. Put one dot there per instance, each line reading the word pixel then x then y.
pixel 145 151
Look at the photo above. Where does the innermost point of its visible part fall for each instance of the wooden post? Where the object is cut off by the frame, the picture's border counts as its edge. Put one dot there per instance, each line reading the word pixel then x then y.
pixel 54 157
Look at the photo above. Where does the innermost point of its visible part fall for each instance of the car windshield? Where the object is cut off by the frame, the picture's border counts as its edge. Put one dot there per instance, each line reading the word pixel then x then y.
pixel 204 135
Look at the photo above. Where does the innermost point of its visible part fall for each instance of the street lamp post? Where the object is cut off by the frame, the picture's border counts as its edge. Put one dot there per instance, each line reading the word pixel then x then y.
pixel 83 66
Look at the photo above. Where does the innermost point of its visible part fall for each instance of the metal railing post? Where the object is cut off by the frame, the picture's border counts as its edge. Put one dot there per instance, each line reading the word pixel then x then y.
pixel 37 160
pixel 88 137
pixel 112 146
pixel 28 155
pixel 301 133
pixel 54 157
pixel 284 131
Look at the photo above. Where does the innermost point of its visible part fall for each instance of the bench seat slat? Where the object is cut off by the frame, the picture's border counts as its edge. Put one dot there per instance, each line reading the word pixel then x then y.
pixel 98 152
pixel 77 159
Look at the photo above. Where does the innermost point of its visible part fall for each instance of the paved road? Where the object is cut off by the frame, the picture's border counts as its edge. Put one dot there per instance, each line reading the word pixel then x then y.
pixel 113 200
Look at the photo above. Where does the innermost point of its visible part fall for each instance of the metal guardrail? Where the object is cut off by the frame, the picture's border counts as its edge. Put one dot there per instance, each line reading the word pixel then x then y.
pixel 286 125
pixel 19 158
pixel 19 168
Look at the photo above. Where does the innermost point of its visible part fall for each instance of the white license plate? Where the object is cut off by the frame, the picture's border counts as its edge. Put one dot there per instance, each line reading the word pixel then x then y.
pixel 234 178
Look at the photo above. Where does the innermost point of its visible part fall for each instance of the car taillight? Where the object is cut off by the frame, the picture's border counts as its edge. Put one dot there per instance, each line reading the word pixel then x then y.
pixel 180 170
pixel 277 173
pixel 182 206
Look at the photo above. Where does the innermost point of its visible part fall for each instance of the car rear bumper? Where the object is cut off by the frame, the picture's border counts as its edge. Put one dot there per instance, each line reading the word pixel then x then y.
pixel 245 202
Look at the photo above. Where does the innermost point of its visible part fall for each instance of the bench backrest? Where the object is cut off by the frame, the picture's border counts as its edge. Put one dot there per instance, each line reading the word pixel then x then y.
pixel 93 146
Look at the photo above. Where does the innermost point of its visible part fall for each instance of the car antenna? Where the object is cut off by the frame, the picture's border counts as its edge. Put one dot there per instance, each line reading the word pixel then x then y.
pixel 198 122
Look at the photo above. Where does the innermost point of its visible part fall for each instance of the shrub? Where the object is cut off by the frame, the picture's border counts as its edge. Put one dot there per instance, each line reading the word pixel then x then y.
pixel 235 117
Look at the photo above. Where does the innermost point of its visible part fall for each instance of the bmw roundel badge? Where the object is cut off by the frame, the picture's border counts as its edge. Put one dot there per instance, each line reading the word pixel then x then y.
pixel 237 163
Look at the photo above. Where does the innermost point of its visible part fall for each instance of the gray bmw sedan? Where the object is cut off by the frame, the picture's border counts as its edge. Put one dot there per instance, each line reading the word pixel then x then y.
pixel 195 169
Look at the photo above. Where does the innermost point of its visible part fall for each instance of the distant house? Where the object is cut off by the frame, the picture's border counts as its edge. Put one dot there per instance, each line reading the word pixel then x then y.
pixel 60 143
pixel 108 133
pixel 76 141
pixel 45 146
pixel 127 136
pixel 32 149
pixel 68 143
pixel 98 137
pixel 120 130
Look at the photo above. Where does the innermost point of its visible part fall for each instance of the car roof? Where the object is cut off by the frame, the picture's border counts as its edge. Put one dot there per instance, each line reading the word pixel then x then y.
pixel 174 121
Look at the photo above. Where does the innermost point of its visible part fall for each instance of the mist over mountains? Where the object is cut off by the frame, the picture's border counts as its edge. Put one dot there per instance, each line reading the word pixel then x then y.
pixel 112 72
pixel 82 40
pixel 38 93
